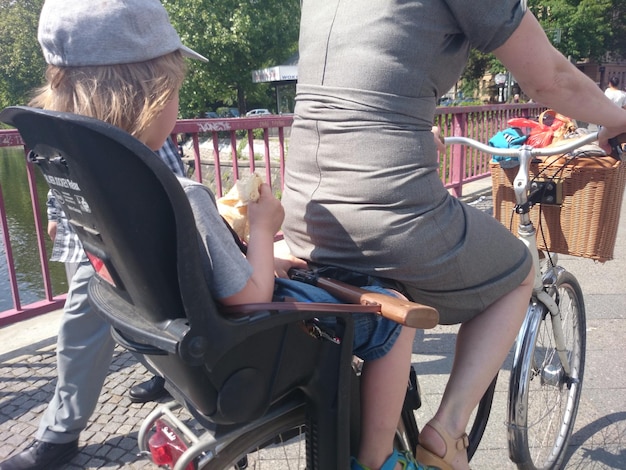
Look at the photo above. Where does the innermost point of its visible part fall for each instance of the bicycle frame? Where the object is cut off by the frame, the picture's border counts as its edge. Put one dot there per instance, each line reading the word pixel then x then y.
pixel 528 234
pixel 544 300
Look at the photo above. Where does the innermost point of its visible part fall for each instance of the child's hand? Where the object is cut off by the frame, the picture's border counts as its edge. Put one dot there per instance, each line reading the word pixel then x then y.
pixel 265 216
pixel 267 213
pixel 52 230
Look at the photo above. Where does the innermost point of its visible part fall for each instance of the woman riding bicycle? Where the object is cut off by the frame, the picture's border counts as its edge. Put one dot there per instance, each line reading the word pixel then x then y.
pixel 363 190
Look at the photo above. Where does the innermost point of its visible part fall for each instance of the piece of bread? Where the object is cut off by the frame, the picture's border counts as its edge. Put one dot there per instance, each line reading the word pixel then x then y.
pixel 233 206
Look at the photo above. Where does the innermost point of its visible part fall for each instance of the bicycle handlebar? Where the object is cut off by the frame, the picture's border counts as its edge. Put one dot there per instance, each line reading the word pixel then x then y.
pixel 567 146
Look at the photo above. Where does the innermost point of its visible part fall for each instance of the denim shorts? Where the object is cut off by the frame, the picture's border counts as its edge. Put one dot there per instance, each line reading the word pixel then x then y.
pixel 374 335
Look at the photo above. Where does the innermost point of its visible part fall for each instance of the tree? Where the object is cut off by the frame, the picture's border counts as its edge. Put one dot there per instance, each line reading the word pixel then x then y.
pixel 617 45
pixel 21 62
pixel 580 29
pixel 478 64
pixel 237 37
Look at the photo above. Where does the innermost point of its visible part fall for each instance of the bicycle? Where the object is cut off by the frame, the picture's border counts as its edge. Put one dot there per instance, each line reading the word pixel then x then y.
pixel 549 358
pixel 246 379
pixel 258 380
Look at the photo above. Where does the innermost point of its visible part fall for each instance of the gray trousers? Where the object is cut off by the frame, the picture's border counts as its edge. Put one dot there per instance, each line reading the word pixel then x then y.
pixel 84 353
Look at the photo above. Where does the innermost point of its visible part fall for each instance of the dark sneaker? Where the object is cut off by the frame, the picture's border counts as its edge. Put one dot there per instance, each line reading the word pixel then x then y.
pixel 41 456
pixel 148 391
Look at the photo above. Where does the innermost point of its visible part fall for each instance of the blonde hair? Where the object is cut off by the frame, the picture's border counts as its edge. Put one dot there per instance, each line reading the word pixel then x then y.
pixel 129 96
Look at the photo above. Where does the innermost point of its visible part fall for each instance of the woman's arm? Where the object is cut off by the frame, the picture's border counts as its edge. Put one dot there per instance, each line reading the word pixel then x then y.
pixel 550 79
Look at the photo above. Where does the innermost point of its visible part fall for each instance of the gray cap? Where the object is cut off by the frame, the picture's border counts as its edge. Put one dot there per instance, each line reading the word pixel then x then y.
pixel 107 32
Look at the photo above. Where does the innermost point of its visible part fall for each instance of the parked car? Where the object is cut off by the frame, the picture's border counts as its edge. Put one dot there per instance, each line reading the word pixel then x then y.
pixel 211 115
pixel 228 112
pixel 258 112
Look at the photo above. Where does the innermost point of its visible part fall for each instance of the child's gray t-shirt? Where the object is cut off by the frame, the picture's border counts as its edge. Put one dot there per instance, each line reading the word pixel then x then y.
pixel 225 267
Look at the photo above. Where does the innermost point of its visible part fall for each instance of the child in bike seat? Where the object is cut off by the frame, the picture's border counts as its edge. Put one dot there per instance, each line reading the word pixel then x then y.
pixel 93 82
pixel 146 76
pixel 123 63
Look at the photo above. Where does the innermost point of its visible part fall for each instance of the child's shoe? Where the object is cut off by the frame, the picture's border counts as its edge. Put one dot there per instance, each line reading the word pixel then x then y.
pixel 405 459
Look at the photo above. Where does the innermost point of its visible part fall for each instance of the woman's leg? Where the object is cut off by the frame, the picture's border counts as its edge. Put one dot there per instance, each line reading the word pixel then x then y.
pixel 383 388
pixel 481 347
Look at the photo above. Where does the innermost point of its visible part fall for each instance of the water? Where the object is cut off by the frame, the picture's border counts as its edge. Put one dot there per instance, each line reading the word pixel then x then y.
pixel 15 190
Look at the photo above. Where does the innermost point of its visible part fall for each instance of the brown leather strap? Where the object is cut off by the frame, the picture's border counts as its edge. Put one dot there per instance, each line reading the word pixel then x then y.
pixel 246 309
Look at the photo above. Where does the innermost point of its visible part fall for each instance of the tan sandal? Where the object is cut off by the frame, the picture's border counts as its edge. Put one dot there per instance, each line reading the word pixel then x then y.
pixel 430 459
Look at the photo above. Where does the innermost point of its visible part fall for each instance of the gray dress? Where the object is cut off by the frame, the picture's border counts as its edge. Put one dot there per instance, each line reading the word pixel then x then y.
pixel 362 186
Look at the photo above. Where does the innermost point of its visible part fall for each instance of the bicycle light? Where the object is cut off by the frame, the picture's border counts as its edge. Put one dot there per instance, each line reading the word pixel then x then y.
pixel 166 446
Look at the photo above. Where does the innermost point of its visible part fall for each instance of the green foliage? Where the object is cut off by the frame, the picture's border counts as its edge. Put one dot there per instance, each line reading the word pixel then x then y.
pixel 237 38
pixel 21 62
pixel 617 44
pixel 478 64
pixel 258 134
pixel 580 29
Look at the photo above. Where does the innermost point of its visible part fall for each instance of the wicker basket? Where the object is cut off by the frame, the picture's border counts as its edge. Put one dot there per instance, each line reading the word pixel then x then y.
pixel 585 224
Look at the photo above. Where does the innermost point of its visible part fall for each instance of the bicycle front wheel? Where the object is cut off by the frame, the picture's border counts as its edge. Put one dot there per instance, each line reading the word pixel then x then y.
pixel 543 395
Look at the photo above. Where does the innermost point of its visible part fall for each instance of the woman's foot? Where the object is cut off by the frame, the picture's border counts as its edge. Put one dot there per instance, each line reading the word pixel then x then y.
pixel 445 454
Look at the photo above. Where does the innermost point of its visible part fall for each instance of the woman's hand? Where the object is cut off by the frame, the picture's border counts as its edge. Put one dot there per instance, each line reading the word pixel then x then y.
pixel 265 217
pixel 284 260
pixel 607 133
pixel 439 142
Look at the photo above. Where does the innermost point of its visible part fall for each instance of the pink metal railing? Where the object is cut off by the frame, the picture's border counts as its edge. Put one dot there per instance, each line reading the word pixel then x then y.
pixel 461 165
pixel 458 166
pixel 11 138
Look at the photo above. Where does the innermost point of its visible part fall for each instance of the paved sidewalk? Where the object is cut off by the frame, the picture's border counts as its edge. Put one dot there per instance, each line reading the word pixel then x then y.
pixel 27 378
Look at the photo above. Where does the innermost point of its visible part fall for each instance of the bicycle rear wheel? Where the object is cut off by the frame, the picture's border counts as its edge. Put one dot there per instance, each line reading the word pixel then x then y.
pixel 407 435
pixel 279 444
pixel 543 398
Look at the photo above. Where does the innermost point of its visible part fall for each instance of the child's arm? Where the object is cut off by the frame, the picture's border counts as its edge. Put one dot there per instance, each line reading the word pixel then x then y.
pixel 265 217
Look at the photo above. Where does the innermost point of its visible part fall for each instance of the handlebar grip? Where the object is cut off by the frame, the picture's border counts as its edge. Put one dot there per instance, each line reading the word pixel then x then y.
pixel 616 143
pixel 394 308
pixel 618 139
